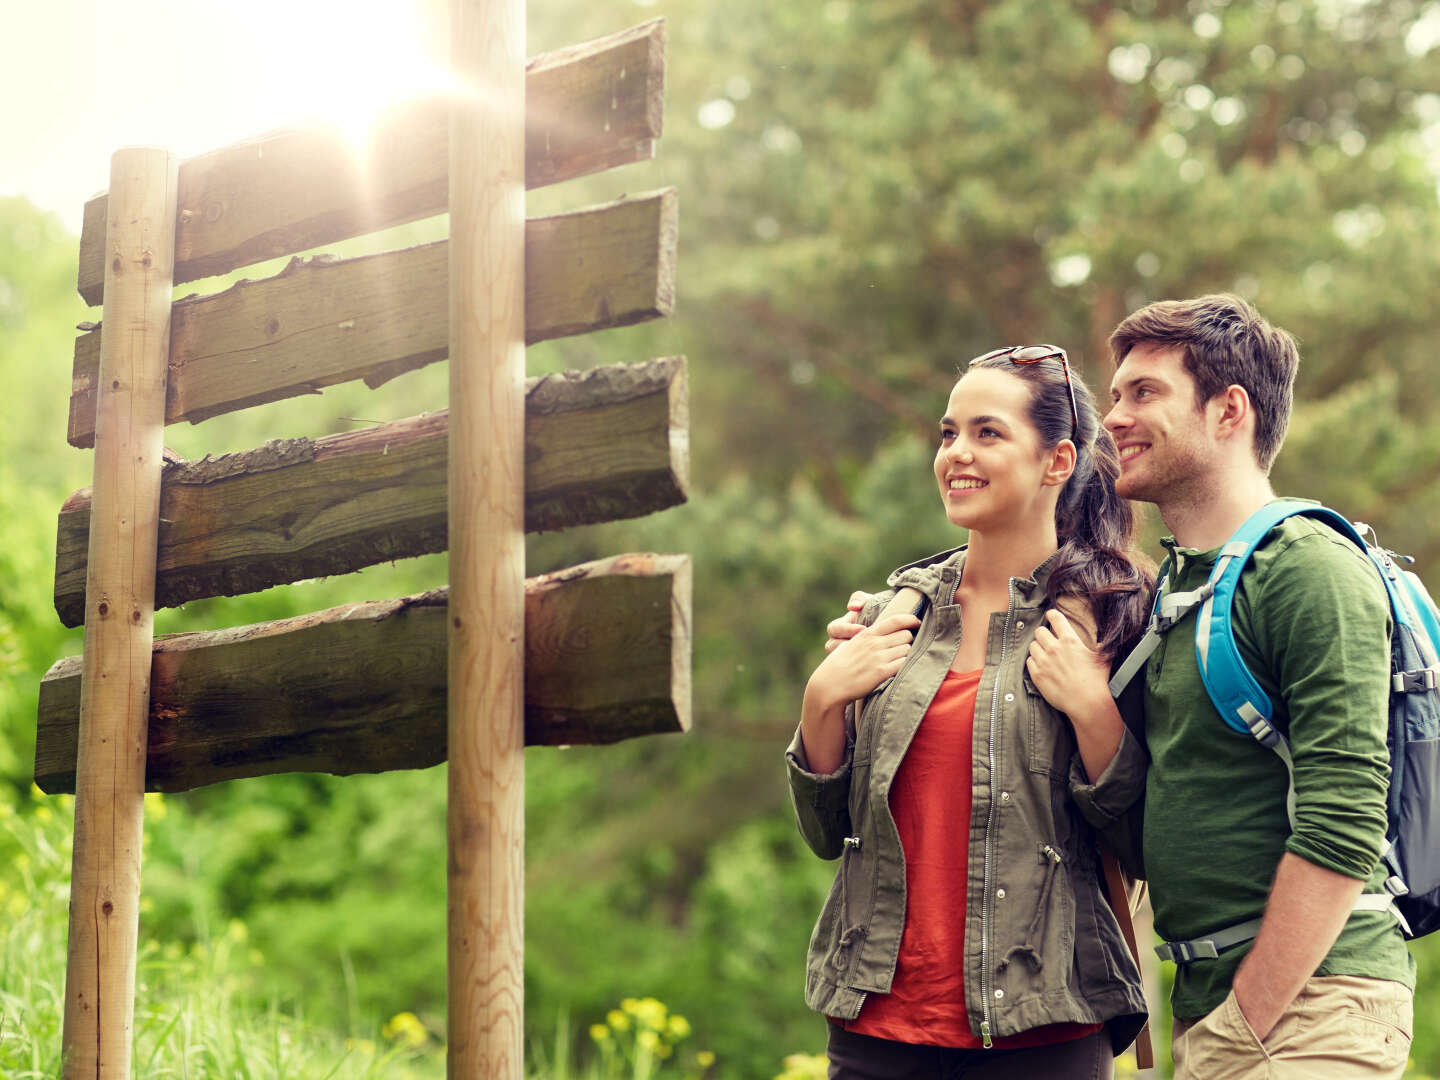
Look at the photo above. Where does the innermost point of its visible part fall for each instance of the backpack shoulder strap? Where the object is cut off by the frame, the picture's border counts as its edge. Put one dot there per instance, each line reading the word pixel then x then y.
pixel 1239 699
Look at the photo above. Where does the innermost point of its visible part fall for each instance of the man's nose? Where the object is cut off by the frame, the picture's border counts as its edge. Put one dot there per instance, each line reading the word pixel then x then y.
pixel 1116 418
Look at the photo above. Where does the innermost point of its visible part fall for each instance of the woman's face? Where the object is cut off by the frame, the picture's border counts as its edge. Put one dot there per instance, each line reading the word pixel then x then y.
pixel 992 470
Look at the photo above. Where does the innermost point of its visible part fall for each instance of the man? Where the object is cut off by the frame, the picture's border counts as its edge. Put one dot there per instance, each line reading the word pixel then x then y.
pixel 1202 393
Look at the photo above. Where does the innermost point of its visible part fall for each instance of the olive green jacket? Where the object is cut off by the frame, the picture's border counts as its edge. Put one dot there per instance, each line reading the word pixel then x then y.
pixel 1041 943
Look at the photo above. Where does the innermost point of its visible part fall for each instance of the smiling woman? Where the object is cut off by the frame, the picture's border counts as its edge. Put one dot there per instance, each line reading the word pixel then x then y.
pixel 956 775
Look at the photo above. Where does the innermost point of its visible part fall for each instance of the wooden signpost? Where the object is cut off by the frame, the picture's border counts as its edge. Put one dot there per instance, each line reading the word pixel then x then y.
pixel 473 672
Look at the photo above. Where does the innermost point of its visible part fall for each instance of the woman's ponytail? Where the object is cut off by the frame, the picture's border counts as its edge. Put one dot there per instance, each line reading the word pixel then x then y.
pixel 1098 560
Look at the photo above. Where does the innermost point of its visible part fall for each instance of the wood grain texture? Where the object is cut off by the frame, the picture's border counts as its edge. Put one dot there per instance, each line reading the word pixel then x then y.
pixel 361 688
pixel 114 687
pixel 323 321
pixel 485 870
pixel 590 107
pixel 600 445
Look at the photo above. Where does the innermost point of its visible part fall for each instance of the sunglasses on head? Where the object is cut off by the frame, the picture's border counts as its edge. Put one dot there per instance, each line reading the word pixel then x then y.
pixel 1033 354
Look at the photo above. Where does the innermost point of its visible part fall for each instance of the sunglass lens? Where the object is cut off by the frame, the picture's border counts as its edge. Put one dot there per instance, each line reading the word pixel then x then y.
pixel 1031 353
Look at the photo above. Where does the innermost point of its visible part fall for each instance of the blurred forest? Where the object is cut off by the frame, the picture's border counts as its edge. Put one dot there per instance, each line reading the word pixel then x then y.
pixel 870 195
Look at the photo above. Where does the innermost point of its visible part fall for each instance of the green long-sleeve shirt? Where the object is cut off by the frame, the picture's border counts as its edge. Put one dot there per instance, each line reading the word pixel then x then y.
pixel 1311 621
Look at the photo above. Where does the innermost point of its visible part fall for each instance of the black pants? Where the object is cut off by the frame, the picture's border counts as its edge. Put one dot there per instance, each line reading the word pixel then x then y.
pixel 863 1057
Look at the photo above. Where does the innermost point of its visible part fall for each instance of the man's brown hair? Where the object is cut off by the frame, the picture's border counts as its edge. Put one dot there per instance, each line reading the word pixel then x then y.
pixel 1224 342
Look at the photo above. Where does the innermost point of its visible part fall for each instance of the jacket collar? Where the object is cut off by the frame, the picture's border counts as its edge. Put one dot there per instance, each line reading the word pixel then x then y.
pixel 932 573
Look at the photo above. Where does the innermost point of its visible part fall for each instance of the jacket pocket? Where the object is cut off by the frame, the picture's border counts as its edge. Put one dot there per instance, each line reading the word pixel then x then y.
pixel 1041 941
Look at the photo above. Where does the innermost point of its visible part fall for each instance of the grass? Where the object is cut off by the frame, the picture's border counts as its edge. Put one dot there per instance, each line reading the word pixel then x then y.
pixel 196 1015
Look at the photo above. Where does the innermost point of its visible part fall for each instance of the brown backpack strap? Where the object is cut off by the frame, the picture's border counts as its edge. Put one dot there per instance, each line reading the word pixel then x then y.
pixel 1119 897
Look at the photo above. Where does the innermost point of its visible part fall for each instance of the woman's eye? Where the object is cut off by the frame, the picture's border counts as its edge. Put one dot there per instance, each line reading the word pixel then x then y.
pixel 946 436
pixel 989 433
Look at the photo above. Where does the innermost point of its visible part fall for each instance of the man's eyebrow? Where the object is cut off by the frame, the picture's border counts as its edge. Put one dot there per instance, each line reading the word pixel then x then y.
pixel 1118 383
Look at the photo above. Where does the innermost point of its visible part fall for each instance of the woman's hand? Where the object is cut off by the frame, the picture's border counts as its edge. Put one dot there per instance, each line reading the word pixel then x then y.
pixel 854 667
pixel 858 665
pixel 1074 677
pixel 838 631
pixel 1066 670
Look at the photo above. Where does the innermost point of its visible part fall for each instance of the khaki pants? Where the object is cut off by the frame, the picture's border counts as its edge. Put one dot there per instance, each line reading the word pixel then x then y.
pixel 1339 1027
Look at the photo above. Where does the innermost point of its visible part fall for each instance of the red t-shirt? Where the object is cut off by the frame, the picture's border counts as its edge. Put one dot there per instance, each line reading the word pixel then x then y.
pixel 930 801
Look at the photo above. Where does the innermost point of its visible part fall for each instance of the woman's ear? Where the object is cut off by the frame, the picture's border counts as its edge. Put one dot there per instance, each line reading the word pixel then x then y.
pixel 1061 464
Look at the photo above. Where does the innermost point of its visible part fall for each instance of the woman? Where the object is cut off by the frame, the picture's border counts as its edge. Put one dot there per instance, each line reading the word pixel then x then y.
pixel 967 932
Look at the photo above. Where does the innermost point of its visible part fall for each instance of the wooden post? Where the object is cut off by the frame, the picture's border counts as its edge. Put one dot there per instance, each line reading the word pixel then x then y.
pixel 119 624
pixel 487 551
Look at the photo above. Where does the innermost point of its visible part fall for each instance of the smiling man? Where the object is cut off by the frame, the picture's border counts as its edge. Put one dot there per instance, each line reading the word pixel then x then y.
pixel 1202 394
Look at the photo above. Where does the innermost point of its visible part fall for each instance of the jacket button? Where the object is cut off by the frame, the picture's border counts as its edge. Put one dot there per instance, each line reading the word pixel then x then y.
pixel 1020 624
pixel 1005 797
pixel 999 994
pixel 999 894
pixel 852 842
pixel 1009 697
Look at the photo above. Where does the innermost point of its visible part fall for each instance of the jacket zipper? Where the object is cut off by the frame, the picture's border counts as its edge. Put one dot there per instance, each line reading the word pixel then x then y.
pixel 986 1029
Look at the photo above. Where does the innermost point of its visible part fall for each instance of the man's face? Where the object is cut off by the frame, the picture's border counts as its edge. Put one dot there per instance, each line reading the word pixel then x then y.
pixel 1166 451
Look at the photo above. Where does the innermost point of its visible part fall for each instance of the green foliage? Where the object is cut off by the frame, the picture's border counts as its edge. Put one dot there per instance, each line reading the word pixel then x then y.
pixel 197 1011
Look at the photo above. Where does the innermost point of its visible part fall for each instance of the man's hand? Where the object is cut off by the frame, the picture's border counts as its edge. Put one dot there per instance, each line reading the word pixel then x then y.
pixel 1308 907
pixel 841 630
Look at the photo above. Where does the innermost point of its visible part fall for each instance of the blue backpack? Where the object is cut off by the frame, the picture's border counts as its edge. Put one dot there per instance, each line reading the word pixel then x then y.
pixel 1412 835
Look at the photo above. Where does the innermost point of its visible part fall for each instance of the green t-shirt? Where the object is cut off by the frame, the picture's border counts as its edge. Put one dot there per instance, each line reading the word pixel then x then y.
pixel 1311 621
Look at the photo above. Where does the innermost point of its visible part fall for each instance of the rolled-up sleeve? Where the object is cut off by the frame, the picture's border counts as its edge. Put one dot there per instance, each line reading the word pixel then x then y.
pixel 1114 803
pixel 1326 620
pixel 821 800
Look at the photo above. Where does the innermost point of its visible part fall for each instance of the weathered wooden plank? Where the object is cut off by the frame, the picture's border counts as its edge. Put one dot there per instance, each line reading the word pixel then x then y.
pixel 589 107
pixel 320 321
pixel 600 445
pixel 361 688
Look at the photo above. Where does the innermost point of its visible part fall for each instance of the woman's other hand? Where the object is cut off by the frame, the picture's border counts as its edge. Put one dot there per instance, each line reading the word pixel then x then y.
pixel 841 630
pixel 1073 675
pixel 1065 667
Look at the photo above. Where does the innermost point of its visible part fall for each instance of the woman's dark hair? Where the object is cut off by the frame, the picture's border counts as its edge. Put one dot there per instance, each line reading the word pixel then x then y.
pixel 1097 561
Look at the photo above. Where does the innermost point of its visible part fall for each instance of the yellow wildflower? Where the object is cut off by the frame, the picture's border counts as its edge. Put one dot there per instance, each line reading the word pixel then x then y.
pixel 617 1020
pixel 649 1040
pixel 600 1033
pixel 155 805
pixel 43 814
pixel 678 1028
pixel 651 1013
pixel 705 1058
pixel 406 1027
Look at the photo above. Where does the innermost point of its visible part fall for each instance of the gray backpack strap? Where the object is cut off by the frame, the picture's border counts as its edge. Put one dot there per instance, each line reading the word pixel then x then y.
pixel 1169 609
pixel 1211 946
